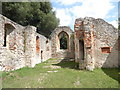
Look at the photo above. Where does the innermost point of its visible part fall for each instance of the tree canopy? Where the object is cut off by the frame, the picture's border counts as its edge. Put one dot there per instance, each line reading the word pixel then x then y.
pixel 38 14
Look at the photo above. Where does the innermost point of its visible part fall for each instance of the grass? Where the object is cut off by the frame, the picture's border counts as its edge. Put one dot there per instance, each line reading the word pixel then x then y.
pixel 68 76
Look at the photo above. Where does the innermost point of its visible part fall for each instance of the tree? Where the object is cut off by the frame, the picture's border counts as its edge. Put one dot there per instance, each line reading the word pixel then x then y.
pixel 38 14
pixel 63 41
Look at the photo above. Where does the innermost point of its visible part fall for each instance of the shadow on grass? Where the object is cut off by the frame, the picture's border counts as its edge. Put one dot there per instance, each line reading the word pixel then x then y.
pixel 112 73
pixel 68 64
pixel 113 58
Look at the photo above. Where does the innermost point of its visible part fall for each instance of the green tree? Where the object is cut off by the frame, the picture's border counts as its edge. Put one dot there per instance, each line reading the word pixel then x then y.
pixel 63 41
pixel 38 14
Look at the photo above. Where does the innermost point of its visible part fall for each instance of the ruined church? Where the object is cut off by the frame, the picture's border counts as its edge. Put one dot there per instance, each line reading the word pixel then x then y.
pixel 92 44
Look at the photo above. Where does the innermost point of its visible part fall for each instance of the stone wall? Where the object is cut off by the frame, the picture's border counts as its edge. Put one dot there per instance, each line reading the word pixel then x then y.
pixel 94 43
pixel 106 36
pixel 100 41
pixel 11 54
pixel 56 51
pixel 44 49
pixel 18 46
pixel 30 45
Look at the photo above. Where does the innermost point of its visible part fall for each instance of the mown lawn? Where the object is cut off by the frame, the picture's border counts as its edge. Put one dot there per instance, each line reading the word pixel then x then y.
pixel 51 74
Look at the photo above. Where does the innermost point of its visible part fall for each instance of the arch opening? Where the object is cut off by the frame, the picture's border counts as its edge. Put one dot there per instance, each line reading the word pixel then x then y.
pixel 37 45
pixel 9 37
pixel 63 40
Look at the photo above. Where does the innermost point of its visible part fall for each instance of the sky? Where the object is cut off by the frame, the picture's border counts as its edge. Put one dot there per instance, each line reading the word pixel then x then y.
pixel 68 10
pixel 119 9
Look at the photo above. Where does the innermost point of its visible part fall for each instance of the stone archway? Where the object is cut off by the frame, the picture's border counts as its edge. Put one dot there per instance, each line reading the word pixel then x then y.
pixel 9 37
pixel 63 40
pixel 62 43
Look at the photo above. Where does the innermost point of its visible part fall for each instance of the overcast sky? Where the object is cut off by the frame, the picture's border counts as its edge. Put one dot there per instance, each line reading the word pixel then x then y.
pixel 68 10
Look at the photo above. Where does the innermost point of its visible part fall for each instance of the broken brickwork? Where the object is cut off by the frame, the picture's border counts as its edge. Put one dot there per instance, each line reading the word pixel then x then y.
pixel 18 46
pixel 96 35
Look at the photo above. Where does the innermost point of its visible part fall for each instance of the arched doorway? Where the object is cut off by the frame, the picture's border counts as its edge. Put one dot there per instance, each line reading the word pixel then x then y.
pixel 63 40
pixel 9 37
pixel 81 49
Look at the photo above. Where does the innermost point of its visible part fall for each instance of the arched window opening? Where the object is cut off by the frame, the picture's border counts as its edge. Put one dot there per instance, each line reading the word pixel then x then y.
pixel 37 45
pixel 46 41
pixel 9 36
pixel 63 39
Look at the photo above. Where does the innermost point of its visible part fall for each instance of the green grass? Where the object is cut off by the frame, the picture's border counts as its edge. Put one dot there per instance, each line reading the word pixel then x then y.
pixel 68 76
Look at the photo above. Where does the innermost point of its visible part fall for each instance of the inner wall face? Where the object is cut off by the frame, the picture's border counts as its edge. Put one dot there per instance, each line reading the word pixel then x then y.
pixel 62 43
pixel 98 40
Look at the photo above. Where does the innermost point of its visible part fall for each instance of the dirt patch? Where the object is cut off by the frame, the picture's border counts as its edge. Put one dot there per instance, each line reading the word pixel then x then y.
pixel 52 67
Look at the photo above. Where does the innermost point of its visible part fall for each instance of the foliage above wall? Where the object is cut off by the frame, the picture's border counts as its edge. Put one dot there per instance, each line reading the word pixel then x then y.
pixel 38 14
